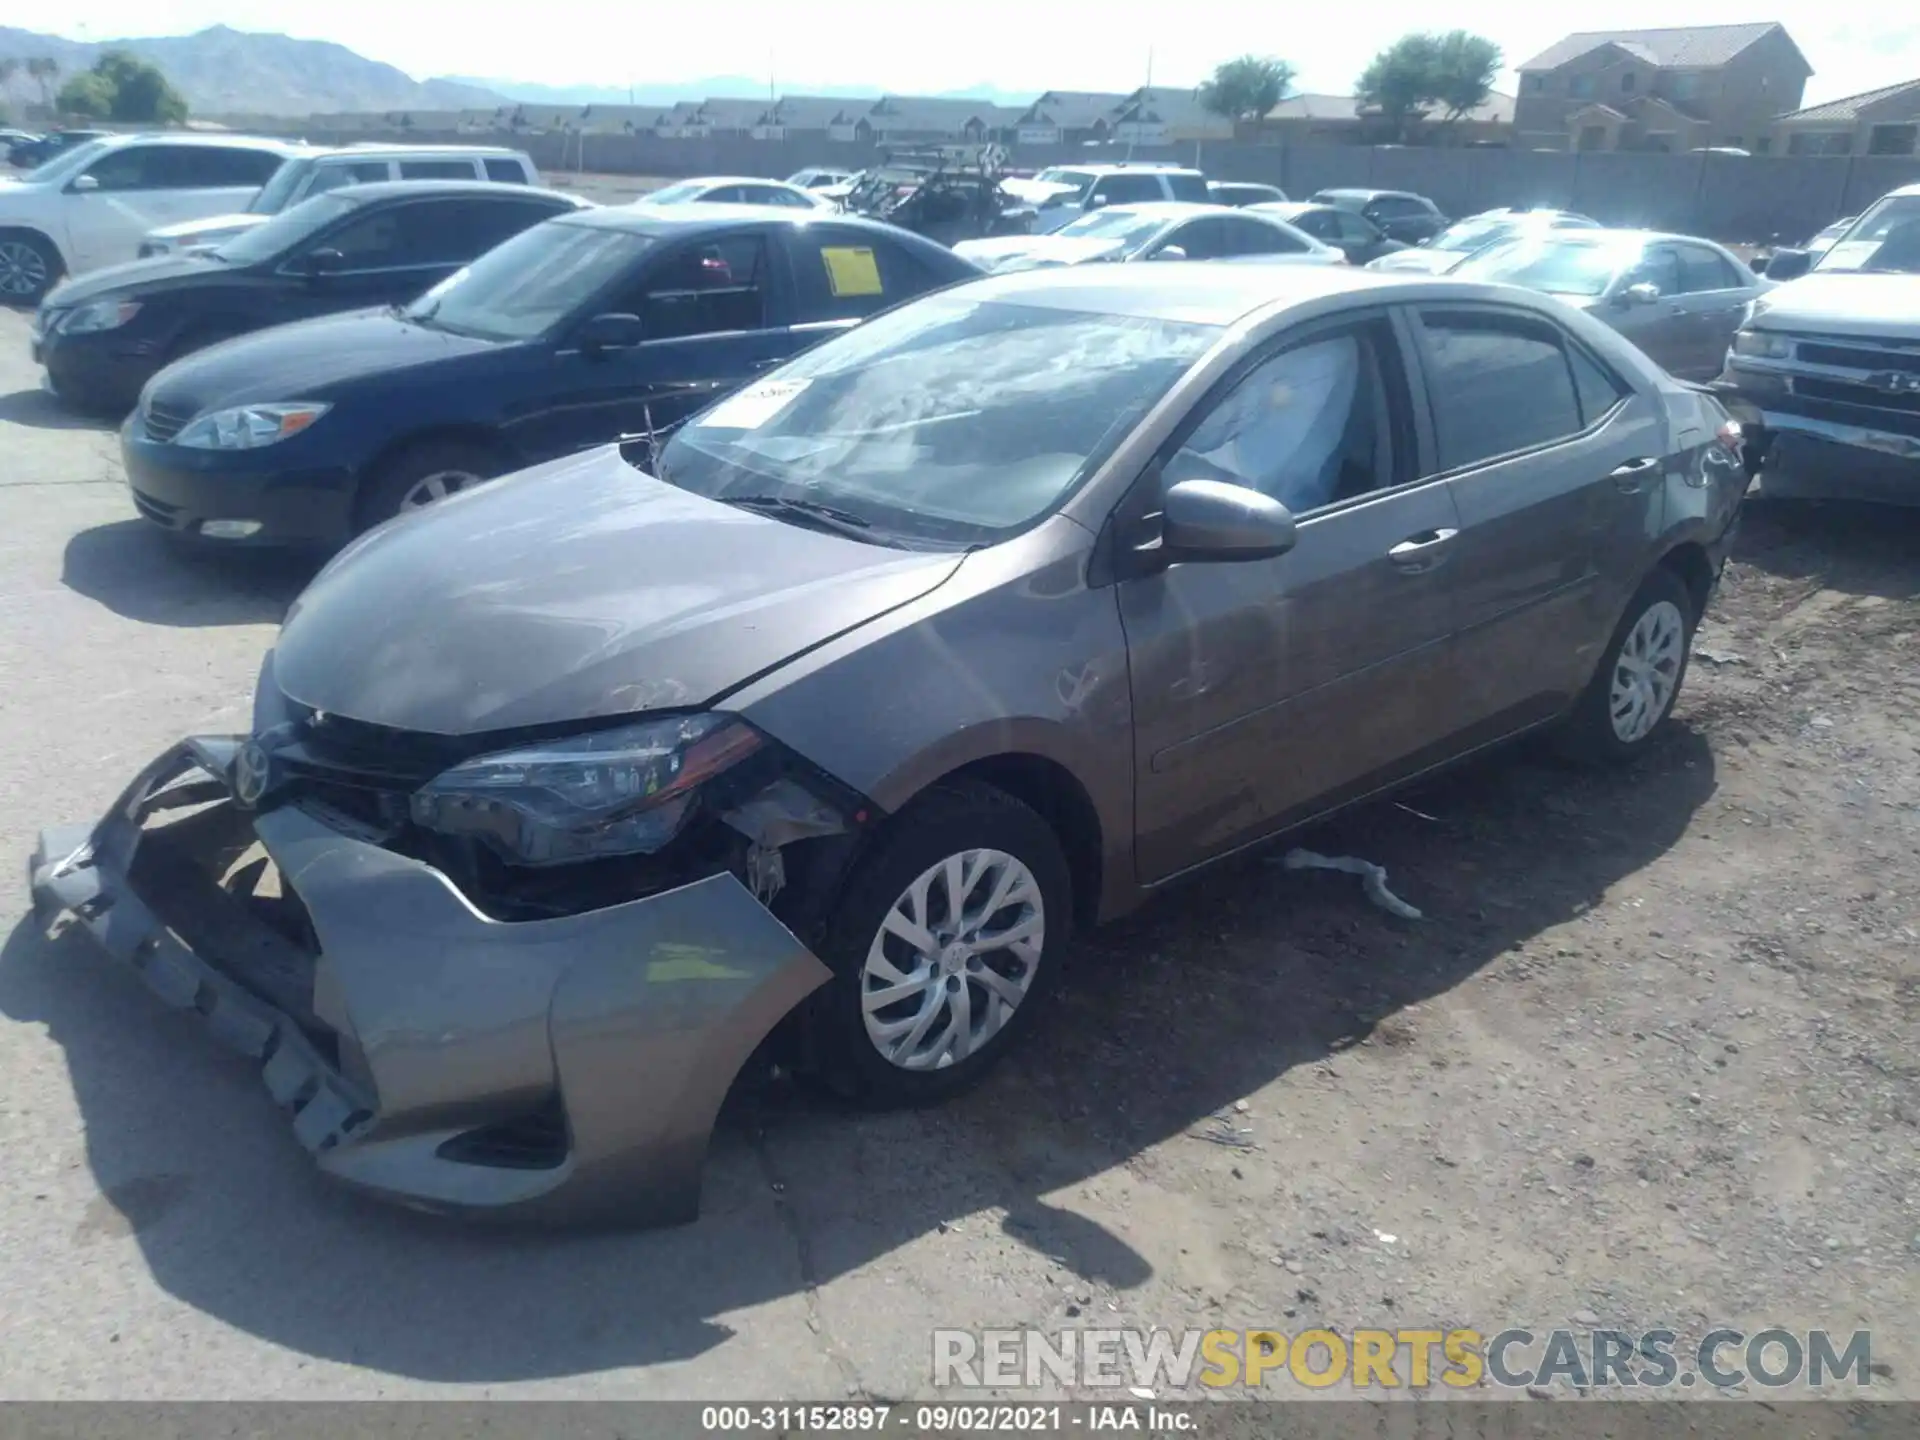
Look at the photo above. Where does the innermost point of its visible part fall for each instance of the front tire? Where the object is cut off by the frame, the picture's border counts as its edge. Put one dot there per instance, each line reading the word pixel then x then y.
pixel 29 266
pixel 1632 693
pixel 423 474
pixel 945 948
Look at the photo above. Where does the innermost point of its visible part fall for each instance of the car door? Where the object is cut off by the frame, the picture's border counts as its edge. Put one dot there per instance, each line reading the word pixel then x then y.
pixel 1267 690
pixel 713 313
pixel 1555 467
pixel 1663 326
pixel 1716 295
pixel 132 189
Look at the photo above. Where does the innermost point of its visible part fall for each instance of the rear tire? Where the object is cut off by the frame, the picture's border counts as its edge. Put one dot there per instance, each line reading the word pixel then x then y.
pixel 422 474
pixel 959 1005
pixel 1631 697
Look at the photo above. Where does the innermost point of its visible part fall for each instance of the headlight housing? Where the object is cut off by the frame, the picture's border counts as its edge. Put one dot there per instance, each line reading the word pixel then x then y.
pixel 100 315
pixel 1762 345
pixel 248 427
pixel 625 791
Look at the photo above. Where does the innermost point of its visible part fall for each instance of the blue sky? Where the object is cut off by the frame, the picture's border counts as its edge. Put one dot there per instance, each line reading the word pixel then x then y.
pixel 814 45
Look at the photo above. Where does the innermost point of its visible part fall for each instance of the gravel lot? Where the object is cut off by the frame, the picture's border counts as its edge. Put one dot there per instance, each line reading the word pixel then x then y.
pixel 1649 1060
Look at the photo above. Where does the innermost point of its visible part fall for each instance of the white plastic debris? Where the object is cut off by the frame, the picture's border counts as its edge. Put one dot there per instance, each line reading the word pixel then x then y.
pixel 1140 1392
pixel 1373 878
pixel 1384 1238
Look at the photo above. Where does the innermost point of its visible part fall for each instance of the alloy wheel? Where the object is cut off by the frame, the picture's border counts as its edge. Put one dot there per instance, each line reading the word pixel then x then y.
pixel 1647 671
pixel 23 269
pixel 437 486
pixel 953 959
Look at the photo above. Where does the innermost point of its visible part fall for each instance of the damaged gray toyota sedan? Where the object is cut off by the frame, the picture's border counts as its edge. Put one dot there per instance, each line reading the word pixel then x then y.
pixel 819 725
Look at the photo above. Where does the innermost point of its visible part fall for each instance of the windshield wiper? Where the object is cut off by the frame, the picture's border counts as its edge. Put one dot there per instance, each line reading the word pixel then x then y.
pixel 827 517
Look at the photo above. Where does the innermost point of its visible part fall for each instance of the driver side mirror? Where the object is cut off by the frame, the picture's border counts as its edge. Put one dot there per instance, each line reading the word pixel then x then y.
pixel 1169 252
pixel 1205 520
pixel 611 332
pixel 84 183
pixel 316 263
pixel 1644 293
pixel 1093 202
pixel 1788 264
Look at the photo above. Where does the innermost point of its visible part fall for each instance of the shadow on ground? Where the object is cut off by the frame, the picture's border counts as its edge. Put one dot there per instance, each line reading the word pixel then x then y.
pixel 1208 994
pixel 135 570
pixel 1839 545
pixel 38 410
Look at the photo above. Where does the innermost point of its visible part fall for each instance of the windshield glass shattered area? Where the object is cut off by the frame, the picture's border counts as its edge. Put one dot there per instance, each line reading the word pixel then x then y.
pixel 1558 267
pixel 1886 241
pixel 946 422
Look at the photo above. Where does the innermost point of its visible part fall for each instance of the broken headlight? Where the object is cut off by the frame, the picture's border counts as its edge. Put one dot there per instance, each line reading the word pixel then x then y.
pixel 625 791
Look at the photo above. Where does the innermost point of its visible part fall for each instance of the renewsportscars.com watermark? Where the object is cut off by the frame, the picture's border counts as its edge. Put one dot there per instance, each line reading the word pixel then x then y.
pixel 1364 1359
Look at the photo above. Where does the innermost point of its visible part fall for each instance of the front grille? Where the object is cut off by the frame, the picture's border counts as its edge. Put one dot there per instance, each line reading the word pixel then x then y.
pixel 1846 393
pixel 1857 357
pixel 164 422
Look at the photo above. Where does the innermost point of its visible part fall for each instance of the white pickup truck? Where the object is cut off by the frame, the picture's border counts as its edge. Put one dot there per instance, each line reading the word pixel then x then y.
pixel 1831 360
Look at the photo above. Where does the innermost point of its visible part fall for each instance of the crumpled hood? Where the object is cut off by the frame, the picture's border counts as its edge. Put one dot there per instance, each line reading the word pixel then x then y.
pixel 1843 303
pixel 1025 252
pixel 193 232
pixel 306 360
pixel 577 589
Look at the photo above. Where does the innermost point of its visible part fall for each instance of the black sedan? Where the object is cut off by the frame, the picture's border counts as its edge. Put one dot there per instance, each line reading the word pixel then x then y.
pixel 103 335
pixel 1346 230
pixel 607 323
pixel 1397 214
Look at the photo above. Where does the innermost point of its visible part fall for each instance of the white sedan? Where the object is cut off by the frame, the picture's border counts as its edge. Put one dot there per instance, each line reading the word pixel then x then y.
pixel 1164 230
pixel 735 190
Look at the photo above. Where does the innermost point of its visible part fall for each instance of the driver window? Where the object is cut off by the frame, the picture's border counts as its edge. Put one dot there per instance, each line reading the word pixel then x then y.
pixel 1308 426
pixel 1355 229
pixel 708 288
pixel 1197 240
pixel 1659 268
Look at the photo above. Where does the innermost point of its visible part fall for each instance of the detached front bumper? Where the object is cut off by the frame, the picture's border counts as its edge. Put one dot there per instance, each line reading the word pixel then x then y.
pixel 566 1069
pixel 1825 457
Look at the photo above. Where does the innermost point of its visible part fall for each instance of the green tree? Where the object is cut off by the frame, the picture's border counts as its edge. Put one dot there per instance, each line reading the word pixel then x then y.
pixel 1464 67
pixel 1398 82
pixel 1419 74
pixel 123 87
pixel 86 94
pixel 1247 88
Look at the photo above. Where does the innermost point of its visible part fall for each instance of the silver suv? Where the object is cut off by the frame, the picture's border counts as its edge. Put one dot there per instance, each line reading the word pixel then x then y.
pixel 1103 185
pixel 313 171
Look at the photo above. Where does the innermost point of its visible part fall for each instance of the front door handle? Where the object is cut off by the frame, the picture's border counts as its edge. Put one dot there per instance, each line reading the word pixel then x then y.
pixel 1419 553
pixel 770 364
pixel 1628 477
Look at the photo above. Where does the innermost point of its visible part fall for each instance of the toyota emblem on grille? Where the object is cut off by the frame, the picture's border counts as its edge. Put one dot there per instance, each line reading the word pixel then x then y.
pixel 1896 382
pixel 252 774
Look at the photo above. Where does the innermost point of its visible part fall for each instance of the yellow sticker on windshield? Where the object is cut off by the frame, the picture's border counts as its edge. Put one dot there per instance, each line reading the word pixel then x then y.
pixel 851 270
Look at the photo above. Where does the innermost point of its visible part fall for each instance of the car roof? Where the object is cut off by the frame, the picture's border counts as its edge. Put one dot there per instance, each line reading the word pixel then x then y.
pixel 1903 191
pixel 189 137
pixel 1195 292
pixel 403 189
pixel 1167 209
pixel 367 148
pixel 723 180
pixel 640 218
pixel 1240 185
pixel 1288 208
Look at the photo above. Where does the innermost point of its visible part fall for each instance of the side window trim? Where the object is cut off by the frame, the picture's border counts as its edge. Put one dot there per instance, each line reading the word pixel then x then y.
pixel 1424 364
pixel 1572 346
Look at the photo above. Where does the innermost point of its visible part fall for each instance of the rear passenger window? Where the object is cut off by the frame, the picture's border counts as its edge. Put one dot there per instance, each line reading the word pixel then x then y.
pixel 1599 392
pixel 1191 188
pixel 214 167
pixel 1251 237
pixel 1496 384
pixel 506 172
pixel 848 276
pixel 436 170
pixel 360 172
pixel 712 287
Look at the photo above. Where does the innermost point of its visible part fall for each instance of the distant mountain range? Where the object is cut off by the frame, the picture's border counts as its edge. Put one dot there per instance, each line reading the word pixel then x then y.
pixel 223 71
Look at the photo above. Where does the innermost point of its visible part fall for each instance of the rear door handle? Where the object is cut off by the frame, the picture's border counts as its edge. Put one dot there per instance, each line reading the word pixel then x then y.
pixel 1627 477
pixel 1419 553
